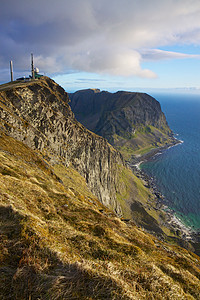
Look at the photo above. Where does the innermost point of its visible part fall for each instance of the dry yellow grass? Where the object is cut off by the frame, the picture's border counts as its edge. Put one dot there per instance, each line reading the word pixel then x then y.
pixel 57 241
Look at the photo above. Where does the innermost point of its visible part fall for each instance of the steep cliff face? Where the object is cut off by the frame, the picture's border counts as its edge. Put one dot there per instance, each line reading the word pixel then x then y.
pixel 38 114
pixel 129 121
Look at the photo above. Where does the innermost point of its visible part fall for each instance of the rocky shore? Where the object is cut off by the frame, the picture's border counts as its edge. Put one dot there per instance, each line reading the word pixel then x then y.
pixel 187 234
pixel 137 160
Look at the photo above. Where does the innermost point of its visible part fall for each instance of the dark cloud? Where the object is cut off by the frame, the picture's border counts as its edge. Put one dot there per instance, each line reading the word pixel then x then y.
pixel 95 36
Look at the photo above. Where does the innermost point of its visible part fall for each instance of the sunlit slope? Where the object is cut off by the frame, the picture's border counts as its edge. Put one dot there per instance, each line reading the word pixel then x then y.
pixel 59 242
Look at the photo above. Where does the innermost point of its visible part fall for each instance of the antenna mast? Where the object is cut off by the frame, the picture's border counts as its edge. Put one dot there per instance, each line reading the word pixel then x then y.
pixel 11 70
pixel 32 67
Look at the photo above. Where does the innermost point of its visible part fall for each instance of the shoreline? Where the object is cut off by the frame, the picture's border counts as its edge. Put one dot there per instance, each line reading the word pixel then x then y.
pixel 137 160
pixel 183 231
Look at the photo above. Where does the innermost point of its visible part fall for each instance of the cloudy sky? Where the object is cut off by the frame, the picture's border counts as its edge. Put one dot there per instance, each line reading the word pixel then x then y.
pixel 112 45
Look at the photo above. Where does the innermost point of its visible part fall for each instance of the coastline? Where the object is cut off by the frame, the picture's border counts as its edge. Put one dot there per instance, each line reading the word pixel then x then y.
pixel 184 232
pixel 137 160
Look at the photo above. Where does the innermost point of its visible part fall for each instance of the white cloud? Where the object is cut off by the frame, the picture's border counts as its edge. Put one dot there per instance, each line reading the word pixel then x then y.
pixel 96 36
pixel 111 61
pixel 157 54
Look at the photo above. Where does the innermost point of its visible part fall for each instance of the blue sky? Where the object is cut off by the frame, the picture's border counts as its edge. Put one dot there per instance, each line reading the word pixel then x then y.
pixel 112 45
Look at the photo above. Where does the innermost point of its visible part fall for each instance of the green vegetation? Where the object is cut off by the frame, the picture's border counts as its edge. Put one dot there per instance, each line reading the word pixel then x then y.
pixel 125 189
pixel 138 203
pixel 144 150
pixel 144 140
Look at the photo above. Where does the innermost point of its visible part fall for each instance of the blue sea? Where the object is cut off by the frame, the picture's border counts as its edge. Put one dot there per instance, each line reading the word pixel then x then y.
pixel 176 171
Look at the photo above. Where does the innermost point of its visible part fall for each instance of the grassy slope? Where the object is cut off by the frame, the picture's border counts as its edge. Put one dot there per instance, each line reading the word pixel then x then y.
pixel 59 242
pixel 142 141
pixel 139 204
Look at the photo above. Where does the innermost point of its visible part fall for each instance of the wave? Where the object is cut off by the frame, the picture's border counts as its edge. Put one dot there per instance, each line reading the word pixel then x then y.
pixel 179 142
pixel 138 165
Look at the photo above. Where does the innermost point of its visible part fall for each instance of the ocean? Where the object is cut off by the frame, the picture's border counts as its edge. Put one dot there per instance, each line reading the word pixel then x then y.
pixel 176 171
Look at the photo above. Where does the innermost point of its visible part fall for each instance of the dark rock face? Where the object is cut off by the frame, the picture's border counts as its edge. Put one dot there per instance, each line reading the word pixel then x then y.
pixel 122 110
pixel 121 114
pixel 38 114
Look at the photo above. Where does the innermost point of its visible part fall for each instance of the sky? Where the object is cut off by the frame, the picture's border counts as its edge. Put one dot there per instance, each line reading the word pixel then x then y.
pixel 134 45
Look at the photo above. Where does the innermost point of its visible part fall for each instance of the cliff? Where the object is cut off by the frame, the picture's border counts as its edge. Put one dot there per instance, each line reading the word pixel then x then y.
pixel 132 122
pixel 57 240
pixel 38 114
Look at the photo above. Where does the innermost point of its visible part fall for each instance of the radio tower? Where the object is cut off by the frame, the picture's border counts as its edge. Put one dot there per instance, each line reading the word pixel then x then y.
pixel 11 70
pixel 32 67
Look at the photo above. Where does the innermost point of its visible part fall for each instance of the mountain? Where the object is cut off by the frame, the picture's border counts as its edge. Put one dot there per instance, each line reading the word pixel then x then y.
pixel 74 219
pixel 132 122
